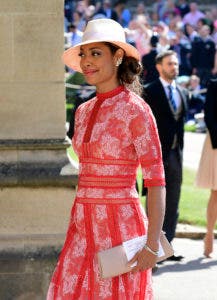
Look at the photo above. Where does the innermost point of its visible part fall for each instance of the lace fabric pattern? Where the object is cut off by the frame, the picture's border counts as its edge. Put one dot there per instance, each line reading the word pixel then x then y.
pixel 110 143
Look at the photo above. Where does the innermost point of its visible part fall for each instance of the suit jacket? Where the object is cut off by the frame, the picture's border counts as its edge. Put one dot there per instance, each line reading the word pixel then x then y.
pixel 203 53
pixel 210 110
pixel 168 126
pixel 114 15
pixel 150 72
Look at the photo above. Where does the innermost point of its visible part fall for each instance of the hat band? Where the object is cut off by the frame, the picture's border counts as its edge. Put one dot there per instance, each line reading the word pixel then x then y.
pixel 88 36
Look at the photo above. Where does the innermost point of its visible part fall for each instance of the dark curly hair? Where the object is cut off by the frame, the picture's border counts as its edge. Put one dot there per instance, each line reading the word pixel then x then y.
pixel 128 71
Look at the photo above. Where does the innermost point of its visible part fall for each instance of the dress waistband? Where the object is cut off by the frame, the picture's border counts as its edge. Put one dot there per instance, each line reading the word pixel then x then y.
pixel 92 160
pixel 107 200
pixel 106 181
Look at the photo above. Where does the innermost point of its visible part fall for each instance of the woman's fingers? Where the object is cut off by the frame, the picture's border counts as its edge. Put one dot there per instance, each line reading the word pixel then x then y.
pixel 134 259
pixel 144 259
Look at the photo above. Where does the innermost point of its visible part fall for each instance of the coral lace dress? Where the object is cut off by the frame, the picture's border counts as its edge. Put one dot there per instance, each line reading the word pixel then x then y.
pixel 114 133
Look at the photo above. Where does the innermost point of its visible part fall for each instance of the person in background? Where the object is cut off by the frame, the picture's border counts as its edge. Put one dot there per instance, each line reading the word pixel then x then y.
pixel 182 46
pixel 194 84
pixel 203 55
pixel 81 6
pixel 162 29
pixel 171 11
pixel 190 32
pixel 205 21
pixel 74 35
pixel 107 10
pixel 159 7
pixel 207 170
pixel 79 20
pixel 124 14
pixel 183 7
pixel 140 8
pixel 114 133
pixel 196 97
pixel 89 13
pixel 169 104
pixel 68 9
pixel 174 25
pixel 194 15
pixel 153 20
pixel 150 72
pixel 141 33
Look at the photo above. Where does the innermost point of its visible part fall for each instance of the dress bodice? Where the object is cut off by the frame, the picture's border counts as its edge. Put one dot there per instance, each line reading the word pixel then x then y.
pixel 114 132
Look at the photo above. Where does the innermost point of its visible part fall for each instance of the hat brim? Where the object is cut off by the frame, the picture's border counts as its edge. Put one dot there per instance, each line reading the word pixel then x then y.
pixel 72 59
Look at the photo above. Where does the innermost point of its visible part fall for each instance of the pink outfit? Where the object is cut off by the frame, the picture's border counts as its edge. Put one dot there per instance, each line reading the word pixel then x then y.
pixel 114 132
pixel 192 18
pixel 142 41
pixel 207 172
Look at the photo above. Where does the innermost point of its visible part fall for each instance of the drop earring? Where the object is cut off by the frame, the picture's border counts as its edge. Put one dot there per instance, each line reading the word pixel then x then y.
pixel 119 61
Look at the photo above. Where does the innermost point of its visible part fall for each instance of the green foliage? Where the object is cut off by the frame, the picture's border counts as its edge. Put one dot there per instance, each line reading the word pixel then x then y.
pixel 191 127
pixel 71 93
pixel 72 154
pixel 193 202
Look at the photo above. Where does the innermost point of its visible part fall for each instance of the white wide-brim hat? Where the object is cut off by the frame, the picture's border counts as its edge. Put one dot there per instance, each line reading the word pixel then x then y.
pixel 99 30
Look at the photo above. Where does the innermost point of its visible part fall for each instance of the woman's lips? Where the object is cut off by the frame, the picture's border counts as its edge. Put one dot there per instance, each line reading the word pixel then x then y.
pixel 89 72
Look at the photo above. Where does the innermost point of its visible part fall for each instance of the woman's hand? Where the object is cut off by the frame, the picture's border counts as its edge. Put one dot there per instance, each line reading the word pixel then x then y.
pixel 145 260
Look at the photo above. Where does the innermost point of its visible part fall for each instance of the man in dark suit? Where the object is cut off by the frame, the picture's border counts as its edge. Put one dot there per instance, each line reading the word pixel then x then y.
pixel 108 11
pixel 168 102
pixel 150 72
pixel 203 55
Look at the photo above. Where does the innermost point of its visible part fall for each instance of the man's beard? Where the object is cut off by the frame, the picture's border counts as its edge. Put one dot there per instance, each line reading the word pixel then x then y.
pixel 170 76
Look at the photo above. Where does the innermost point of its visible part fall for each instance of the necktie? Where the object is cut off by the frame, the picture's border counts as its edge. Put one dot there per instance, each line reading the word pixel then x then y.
pixel 171 98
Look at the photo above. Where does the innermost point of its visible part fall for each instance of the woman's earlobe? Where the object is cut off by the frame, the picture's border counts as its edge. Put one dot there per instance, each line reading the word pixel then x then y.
pixel 119 61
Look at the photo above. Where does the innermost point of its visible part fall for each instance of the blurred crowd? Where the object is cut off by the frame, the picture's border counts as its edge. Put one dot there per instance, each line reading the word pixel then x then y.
pixel 166 24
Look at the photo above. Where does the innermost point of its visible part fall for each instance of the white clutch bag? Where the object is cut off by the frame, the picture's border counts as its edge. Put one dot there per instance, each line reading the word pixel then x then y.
pixel 114 261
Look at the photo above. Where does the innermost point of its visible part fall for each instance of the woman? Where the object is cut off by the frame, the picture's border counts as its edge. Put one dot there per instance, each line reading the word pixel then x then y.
pixel 114 131
pixel 140 33
pixel 207 171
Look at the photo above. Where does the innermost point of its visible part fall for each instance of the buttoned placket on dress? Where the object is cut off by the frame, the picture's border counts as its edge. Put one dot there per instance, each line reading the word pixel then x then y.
pixel 95 110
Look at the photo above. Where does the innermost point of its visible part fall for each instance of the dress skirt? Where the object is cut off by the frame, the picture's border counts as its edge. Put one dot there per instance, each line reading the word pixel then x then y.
pixel 94 227
pixel 207 171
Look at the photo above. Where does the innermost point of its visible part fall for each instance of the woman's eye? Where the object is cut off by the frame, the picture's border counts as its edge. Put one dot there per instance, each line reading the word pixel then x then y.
pixel 96 53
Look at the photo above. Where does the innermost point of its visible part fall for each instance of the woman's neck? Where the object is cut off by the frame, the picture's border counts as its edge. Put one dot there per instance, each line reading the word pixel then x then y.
pixel 107 87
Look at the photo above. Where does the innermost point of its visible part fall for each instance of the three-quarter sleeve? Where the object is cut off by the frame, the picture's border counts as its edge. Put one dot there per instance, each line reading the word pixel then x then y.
pixel 147 145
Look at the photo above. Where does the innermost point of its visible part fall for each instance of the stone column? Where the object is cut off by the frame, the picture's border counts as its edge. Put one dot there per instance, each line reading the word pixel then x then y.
pixel 32 114
pixel 31 71
pixel 35 199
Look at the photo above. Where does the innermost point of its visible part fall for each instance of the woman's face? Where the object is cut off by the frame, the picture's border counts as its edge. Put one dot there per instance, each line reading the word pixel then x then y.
pixel 76 16
pixel 189 29
pixel 98 65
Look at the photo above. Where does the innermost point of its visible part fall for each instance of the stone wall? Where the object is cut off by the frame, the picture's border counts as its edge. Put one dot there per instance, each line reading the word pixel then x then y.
pixel 32 114
pixel 36 196
pixel 31 71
